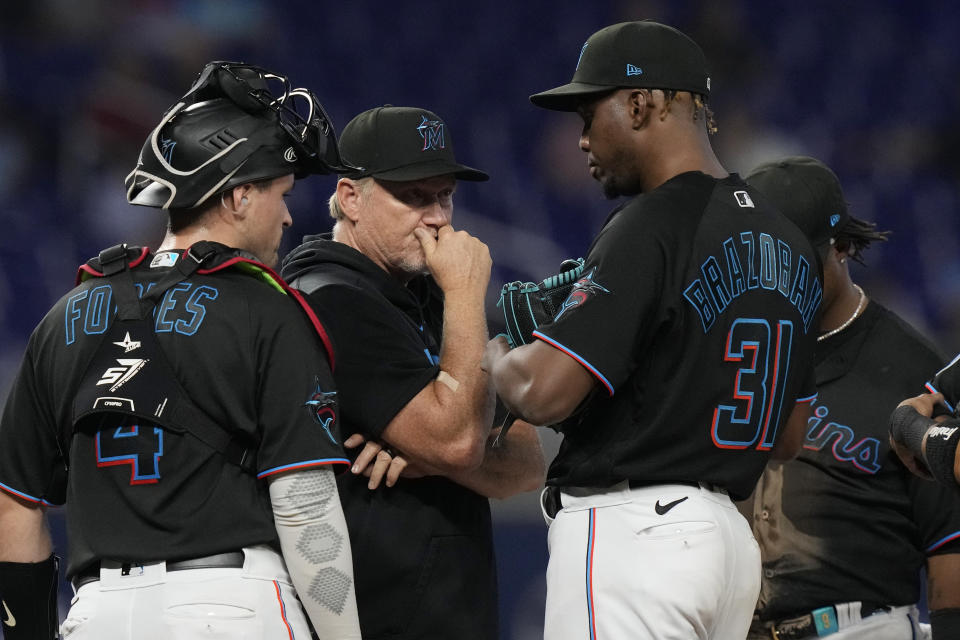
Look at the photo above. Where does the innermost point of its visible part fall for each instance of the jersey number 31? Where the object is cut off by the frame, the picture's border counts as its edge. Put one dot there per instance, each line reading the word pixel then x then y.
pixel 754 413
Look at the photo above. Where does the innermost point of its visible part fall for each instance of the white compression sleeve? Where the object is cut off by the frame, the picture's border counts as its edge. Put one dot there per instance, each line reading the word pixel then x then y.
pixel 316 548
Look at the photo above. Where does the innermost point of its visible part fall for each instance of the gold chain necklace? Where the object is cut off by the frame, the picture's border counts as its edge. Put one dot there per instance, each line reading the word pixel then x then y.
pixel 849 321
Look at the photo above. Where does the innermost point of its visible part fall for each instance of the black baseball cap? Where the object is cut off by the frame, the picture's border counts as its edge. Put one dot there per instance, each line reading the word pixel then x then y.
pixel 402 144
pixel 643 54
pixel 806 191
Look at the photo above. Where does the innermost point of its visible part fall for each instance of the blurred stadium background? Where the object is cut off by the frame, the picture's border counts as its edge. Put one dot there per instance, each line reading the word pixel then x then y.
pixel 870 87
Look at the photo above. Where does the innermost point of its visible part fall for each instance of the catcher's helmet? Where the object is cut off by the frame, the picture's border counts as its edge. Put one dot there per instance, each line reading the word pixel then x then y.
pixel 228 129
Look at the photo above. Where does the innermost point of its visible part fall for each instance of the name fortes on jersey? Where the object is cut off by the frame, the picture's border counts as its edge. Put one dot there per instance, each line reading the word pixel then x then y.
pixel 753 262
pixel 182 309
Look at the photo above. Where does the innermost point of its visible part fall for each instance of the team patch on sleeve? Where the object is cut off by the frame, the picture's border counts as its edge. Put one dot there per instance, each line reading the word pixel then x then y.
pixel 582 291
pixel 323 408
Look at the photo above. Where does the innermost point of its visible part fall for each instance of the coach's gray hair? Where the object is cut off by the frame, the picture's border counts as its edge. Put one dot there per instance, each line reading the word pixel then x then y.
pixel 362 185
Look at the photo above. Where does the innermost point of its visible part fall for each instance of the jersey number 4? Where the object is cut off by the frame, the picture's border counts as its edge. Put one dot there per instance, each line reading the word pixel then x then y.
pixel 139 447
pixel 754 413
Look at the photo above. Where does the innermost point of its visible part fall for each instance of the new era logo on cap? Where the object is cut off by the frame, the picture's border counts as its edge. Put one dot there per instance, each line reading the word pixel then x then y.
pixel 631 54
pixel 807 192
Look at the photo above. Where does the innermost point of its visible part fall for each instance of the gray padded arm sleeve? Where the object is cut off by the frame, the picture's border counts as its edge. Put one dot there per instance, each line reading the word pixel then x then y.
pixel 316 548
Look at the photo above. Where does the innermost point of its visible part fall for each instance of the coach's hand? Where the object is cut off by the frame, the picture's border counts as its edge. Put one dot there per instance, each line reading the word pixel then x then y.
pixel 456 259
pixel 377 462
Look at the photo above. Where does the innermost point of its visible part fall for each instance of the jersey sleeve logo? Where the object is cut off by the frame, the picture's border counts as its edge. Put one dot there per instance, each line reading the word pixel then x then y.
pixel 322 406
pixel 582 290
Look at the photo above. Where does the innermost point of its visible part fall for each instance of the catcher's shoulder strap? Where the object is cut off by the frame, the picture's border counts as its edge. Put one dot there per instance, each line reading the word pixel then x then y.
pixel 129 374
pixel 249 265
pixel 330 274
pixel 202 257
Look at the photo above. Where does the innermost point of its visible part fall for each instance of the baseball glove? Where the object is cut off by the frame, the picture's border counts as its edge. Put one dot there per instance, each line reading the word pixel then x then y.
pixel 529 305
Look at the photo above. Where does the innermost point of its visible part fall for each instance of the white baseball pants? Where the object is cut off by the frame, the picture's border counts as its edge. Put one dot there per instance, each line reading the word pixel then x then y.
pixel 664 562
pixel 255 602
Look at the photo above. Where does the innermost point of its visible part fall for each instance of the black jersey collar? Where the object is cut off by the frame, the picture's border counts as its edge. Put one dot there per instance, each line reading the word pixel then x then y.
pixel 321 250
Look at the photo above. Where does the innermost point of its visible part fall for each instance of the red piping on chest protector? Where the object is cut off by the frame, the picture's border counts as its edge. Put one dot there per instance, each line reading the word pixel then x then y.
pixel 296 295
pixel 86 268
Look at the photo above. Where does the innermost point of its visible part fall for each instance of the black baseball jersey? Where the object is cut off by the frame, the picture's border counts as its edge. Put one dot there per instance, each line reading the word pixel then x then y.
pixel 695 313
pixel 846 521
pixel 422 549
pixel 250 361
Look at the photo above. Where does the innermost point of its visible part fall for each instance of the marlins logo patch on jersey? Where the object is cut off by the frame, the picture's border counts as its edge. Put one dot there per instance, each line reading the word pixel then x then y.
pixel 322 406
pixel 581 292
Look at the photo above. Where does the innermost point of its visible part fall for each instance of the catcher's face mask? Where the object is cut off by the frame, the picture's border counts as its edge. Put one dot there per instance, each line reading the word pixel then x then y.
pixel 299 112
pixel 238 123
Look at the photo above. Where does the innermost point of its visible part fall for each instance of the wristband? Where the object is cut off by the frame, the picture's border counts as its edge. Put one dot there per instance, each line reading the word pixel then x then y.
pixel 945 624
pixel 908 427
pixel 940 451
pixel 28 599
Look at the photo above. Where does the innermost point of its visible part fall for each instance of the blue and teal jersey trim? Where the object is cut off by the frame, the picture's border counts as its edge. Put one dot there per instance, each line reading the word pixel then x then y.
pixel 302 465
pixel 589 367
pixel 932 389
pixel 942 541
pixel 26 496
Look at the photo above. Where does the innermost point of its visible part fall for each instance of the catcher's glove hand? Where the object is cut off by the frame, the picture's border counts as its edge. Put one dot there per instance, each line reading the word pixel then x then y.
pixel 529 305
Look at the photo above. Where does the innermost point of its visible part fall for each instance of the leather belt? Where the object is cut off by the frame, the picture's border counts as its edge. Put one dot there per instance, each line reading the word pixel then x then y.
pixel 227 560
pixel 805 626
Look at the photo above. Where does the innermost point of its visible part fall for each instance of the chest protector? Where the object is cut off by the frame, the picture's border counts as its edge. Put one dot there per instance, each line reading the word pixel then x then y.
pixel 129 374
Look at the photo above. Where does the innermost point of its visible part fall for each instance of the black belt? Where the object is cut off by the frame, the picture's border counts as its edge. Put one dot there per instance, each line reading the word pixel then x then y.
pixel 228 560
pixel 805 626
pixel 709 486
pixel 552 503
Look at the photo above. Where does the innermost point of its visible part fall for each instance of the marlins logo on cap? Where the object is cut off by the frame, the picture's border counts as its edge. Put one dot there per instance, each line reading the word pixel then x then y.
pixel 402 144
pixel 432 133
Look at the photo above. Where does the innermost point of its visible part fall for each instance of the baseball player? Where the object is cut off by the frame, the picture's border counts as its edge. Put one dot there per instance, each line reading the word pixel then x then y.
pixel 678 366
pixel 845 529
pixel 402 295
pixel 181 402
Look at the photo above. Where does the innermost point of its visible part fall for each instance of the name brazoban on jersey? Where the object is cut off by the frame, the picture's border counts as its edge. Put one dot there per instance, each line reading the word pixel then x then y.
pixel 766 263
